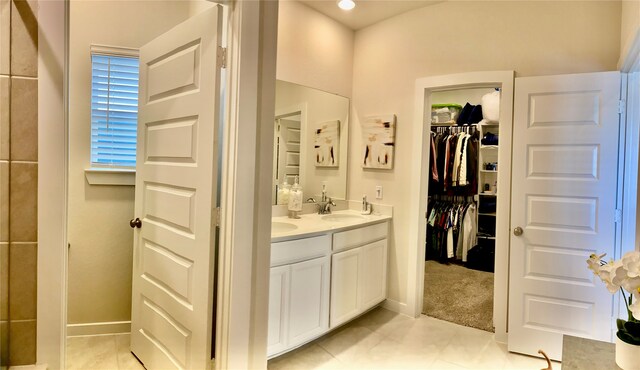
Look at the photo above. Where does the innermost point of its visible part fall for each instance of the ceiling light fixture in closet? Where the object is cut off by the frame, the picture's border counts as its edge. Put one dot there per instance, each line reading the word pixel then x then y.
pixel 346 4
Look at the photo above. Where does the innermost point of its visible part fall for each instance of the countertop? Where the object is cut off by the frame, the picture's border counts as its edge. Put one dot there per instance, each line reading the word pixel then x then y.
pixel 314 224
pixel 587 354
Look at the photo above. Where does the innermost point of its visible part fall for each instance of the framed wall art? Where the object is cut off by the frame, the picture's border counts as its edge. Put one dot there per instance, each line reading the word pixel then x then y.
pixel 378 141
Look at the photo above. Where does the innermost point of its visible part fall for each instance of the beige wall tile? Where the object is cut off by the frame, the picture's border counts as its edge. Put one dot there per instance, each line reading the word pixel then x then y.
pixel 24 38
pixel 24 119
pixel 4 281
pixel 4 343
pixel 23 260
pixel 23 202
pixel 4 113
pixel 22 342
pixel 5 36
pixel 4 201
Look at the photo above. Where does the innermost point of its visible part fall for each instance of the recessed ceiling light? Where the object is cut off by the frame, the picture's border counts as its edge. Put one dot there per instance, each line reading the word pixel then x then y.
pixel 346 4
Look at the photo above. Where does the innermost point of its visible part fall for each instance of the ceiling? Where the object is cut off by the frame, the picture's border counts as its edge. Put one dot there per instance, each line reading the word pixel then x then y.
pixel 366 12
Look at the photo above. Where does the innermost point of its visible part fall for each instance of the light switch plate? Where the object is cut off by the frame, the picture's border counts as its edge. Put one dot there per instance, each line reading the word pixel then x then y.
pixel 379 192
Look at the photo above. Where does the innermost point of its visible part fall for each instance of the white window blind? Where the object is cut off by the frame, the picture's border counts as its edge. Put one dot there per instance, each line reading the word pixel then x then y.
pixel 114 110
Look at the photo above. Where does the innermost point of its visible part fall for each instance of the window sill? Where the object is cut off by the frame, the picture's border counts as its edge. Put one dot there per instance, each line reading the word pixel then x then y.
pixel 110 176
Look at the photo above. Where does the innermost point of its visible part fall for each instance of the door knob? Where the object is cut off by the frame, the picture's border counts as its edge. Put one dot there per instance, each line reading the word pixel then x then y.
pixel 517 231
pixel 135 223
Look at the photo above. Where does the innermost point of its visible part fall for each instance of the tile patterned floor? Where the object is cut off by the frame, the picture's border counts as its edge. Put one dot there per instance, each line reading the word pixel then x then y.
pixel 101 352
pixel 380 339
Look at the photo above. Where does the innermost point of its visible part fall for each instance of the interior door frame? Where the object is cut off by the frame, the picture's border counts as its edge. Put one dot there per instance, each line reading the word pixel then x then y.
pixel 241 321
pixel 419 190
pixel 629 156
pixel 629 65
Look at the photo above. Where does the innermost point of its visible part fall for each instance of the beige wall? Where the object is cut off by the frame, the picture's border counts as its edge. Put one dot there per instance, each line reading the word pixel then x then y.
pixel 532 38
pixel 314 50
pixel 100 257
pixel 198 6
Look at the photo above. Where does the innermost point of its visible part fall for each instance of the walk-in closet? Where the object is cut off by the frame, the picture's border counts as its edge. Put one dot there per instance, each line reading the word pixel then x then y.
pixel 461 212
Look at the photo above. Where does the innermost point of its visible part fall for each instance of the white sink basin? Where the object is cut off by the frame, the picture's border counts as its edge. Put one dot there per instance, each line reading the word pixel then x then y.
pixel 337 217
pixel 282 227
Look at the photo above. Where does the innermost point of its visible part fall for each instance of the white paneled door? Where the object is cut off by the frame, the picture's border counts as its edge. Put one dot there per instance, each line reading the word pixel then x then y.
pixel 565 160
pixel 172 303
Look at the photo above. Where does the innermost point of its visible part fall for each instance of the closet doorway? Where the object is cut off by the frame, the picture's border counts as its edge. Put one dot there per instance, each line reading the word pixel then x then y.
pixel 461 206
pixel 461 236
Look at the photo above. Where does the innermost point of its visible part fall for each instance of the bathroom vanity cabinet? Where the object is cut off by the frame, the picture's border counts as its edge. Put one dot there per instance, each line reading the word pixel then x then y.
pixel 298 292
pixel 319 282
pixel 358 271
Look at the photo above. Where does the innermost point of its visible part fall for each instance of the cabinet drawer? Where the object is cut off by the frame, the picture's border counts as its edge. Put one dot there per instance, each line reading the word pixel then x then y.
pixel 363 235
pixel 300 250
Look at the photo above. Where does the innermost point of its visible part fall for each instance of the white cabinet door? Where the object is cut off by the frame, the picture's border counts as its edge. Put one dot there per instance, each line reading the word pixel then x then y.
pixel 308 300
pixel 358 281
pixel 373 274
pixel 344 286
pixel 565 160
pixel 278 309
pixel 173 270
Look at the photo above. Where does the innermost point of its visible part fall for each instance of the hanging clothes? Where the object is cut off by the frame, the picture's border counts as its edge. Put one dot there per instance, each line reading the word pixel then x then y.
pixel 454 161
pixel 451 227
pixel 470 230
pixel 434 158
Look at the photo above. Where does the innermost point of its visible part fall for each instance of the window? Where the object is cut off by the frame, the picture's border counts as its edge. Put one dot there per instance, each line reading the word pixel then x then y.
pixel 114 108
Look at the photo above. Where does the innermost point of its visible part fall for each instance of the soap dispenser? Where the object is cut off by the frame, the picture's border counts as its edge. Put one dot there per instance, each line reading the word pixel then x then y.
pixel 295 199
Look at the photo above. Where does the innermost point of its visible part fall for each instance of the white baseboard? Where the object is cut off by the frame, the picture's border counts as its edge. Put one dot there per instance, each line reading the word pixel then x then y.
pixel 396 306
pixel 98 328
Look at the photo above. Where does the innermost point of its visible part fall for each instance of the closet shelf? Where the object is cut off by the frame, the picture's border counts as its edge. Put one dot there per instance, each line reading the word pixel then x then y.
pixel 486 237
pixel 487 214
pixel 489 171
pixel 488 194
pixel 495 147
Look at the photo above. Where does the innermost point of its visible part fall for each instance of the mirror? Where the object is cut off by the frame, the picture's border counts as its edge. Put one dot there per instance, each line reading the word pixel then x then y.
pixel 310 141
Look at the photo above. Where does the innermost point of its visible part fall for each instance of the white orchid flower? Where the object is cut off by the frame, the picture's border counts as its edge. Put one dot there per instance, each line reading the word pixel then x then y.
pixel 635 307
pixel 594 262
pixel 632 285
pixel 631 263
pixel 619 274
pixel 607 274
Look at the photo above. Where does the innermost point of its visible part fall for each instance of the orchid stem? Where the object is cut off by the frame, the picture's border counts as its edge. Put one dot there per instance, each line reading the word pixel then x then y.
pixel 631 318
pixel 625 298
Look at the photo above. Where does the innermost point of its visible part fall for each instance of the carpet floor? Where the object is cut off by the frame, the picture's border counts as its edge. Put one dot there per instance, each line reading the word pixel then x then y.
pixel 460 295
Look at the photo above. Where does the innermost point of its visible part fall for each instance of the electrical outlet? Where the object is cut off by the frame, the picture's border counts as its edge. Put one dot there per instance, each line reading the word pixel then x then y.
pixel 379 192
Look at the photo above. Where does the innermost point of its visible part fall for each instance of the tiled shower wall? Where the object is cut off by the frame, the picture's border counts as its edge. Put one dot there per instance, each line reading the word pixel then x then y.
pixel 18 180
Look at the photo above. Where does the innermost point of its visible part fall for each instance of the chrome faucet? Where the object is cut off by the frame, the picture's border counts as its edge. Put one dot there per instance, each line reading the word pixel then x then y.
pixel 325 203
